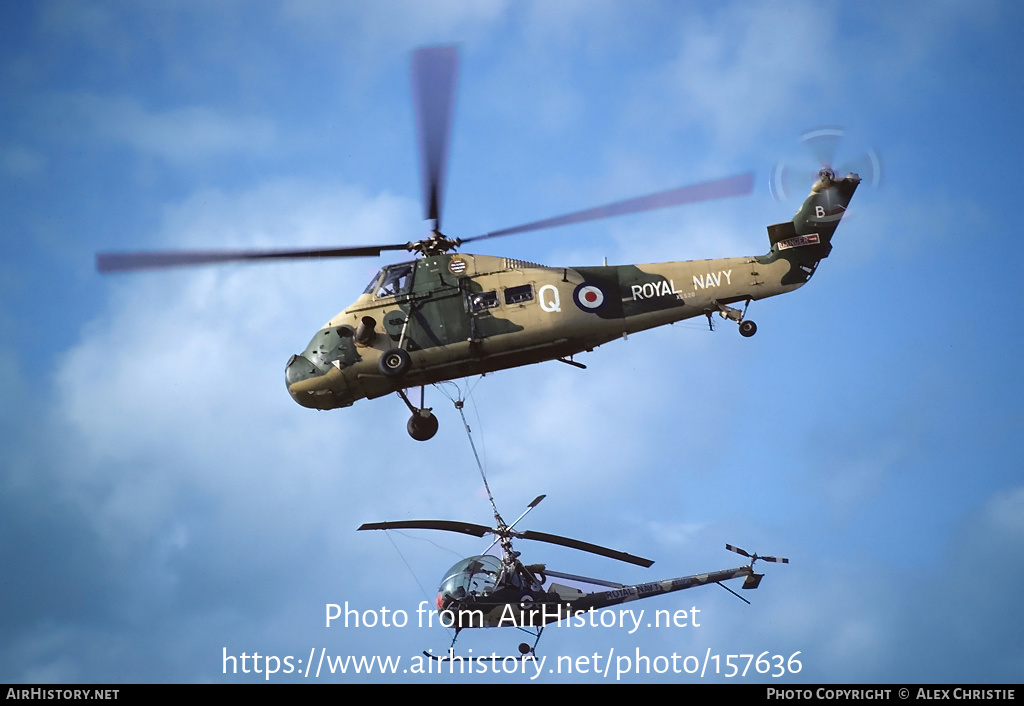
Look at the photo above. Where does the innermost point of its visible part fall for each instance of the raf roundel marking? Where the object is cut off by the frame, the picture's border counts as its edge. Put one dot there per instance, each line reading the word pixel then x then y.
pixel 457 265
pixel 589 297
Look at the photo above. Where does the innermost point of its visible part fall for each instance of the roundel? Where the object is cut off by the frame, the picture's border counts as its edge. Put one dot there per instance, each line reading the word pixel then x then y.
pixel 589 297
pixel 456 265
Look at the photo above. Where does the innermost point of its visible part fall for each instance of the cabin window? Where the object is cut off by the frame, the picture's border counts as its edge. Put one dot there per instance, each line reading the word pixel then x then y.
pixel 519 295
pixel 483 300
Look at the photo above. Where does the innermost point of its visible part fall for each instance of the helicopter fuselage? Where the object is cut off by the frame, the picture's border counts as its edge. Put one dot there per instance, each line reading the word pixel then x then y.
pixel 453 315
pixel 512 606
pixel 495 313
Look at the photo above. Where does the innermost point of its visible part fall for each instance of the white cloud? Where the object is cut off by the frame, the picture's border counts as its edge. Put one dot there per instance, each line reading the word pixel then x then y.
pixel 165 386
pixel 750 65
pixel 377 33
pixel 180 136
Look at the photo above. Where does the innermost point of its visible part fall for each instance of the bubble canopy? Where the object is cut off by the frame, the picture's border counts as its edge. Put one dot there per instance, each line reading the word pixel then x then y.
pixel 476 575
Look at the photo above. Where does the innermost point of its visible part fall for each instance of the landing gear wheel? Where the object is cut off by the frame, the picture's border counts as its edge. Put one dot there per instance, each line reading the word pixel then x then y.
pixel 394 362
pixel 422 427
pixel 524 649
pixel 747 328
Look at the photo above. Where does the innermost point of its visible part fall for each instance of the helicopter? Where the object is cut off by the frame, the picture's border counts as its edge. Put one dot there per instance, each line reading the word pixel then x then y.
pixel 487 591
pixel 448 314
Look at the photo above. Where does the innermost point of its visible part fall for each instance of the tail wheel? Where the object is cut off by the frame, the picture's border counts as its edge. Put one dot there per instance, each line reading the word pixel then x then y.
pixel 394 362
pixel 422 427
pixel 747 328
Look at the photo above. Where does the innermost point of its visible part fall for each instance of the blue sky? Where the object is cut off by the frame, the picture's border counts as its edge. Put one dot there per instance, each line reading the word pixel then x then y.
pixel 162 498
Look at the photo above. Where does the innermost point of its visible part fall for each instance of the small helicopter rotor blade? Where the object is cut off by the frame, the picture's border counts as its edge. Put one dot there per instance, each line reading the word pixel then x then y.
pixel 434 74
pixel 740 185
pixel 445 525
pixel 584 546
pixel 741 552
pixel 778 560
pixel 159 260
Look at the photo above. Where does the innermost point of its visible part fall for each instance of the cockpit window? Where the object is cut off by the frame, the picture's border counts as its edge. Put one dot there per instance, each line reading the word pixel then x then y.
pixel 397 279
pixel 372 286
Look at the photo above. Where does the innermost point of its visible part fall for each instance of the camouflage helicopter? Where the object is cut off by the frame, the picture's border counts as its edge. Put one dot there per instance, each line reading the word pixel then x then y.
pixel 485 591
pixel 448 314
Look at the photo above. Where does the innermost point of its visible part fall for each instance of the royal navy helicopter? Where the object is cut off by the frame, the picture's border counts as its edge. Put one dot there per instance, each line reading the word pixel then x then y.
pixel 485 591
pixel 449 314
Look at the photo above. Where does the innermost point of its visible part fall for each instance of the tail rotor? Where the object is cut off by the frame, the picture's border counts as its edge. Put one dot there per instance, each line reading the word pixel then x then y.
pixel 821 145
pixel 755 557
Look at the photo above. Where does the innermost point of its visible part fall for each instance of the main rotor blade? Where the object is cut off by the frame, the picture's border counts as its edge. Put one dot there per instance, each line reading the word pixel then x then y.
pixel 584 546
pixel 134 261
pixel 434 74
pixel 446 525
pixel 739 185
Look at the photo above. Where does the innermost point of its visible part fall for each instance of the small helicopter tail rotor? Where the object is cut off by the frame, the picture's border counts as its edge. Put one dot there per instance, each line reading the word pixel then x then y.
pixel 754 557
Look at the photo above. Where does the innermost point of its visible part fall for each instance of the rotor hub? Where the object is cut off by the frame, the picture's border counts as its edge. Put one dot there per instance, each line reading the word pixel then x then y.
pixel 436 244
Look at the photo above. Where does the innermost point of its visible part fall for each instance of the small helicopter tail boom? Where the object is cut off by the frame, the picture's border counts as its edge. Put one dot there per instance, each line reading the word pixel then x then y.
pixel 605 599
pixel 624 594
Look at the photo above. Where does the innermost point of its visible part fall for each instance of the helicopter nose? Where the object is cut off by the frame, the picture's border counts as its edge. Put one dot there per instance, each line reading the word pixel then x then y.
pixel 312 388
pixel 299 368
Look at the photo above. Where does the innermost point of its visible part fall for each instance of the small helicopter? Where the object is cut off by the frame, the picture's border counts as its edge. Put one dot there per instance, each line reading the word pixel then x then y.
pixel 448 315
pixel 487 591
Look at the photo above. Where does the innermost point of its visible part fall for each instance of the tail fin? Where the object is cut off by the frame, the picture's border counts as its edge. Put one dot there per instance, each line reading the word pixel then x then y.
pixel 814 224
pixel 807 239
